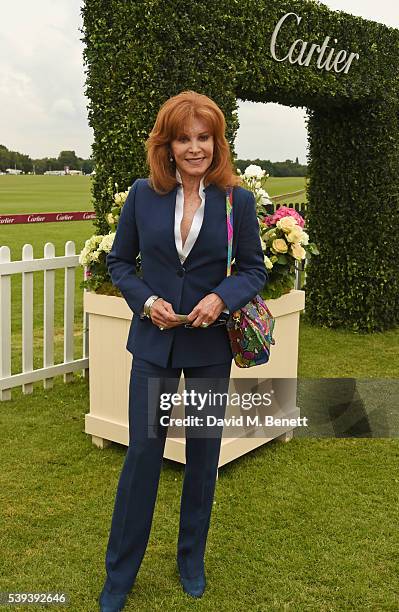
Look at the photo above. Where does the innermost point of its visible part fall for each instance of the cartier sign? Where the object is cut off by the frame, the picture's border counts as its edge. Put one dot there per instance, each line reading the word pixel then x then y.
pixel 302 52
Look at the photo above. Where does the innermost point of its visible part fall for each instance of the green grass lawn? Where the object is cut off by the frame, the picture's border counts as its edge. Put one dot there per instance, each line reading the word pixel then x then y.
pixel 306 526
pixel 279 185
pixel 309 525
pixel 28 193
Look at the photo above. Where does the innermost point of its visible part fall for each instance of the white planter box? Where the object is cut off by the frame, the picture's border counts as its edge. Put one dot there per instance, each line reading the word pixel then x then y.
pixel 110 365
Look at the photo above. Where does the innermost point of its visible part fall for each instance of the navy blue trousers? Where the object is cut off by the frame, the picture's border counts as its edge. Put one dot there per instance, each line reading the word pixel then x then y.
pixel 139 478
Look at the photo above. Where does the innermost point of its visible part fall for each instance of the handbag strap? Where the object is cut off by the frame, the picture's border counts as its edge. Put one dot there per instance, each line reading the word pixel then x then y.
pixel 229 220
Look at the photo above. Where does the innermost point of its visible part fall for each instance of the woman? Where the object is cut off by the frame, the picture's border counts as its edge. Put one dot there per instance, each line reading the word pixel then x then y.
pixel 176 219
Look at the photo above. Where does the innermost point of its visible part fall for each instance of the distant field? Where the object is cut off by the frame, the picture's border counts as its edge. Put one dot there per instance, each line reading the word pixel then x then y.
pixel 23 194
pixel 276 186
pixel 20 194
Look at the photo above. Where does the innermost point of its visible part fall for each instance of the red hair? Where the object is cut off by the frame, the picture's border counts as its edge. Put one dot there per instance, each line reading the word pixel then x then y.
pixel 172 118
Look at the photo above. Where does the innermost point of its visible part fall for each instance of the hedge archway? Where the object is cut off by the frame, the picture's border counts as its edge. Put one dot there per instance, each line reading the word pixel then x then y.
pixel 298 53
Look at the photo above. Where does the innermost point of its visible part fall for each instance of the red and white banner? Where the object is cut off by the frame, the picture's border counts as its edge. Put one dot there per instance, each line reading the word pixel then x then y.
pixel 53 217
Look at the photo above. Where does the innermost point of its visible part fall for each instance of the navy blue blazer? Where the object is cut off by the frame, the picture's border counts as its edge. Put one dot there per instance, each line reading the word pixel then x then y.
pixel 146 225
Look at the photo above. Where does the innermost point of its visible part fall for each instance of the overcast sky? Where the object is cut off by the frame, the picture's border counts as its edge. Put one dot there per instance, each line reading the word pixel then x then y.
pixel 43 107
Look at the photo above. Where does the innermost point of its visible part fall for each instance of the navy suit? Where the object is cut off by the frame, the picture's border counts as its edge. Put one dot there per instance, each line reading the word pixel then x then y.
pixel 146 225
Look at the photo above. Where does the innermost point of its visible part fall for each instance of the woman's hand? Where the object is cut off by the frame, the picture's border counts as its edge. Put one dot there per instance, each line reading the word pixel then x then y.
pixel 207 310
pixel 163 315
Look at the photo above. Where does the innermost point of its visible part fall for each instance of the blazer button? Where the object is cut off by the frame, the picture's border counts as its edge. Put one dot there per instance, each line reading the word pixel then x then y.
pixel 181 272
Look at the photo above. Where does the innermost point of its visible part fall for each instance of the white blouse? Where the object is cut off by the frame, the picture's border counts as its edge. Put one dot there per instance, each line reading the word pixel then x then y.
pixel 196 224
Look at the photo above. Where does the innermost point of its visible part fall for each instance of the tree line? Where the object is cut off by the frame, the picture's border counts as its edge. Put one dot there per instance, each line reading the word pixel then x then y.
pixel 284 168
pixel 14 159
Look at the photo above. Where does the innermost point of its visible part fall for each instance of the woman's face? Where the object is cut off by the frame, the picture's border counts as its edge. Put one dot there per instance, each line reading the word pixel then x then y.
pixel 193 149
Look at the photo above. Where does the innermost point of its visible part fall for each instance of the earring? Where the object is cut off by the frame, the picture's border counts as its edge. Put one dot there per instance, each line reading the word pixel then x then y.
pixel 170 158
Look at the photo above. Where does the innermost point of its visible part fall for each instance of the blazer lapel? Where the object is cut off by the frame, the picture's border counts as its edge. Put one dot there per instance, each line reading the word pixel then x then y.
pixel 170 205
pixel 212 214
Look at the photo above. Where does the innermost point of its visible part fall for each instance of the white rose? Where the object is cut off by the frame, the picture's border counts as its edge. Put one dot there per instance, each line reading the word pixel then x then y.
pixel 106 242
pixel 83 257
pixel 295 234
pixel 298 251
pixel 304 238
pixel 93 242
pixel 286 224
pixel 279 245
pixel 264 196
pixel 253 171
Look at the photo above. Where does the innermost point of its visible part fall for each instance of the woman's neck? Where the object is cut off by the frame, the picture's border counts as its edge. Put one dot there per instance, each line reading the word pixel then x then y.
pixel 190 183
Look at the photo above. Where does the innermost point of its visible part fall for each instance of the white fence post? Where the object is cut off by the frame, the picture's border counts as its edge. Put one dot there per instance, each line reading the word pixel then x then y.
pixel 27 317
pixel 5 323
pixel 69 309
pixel 48 314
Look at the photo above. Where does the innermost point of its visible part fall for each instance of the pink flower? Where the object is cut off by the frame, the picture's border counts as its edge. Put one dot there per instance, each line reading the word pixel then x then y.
pixel 281 212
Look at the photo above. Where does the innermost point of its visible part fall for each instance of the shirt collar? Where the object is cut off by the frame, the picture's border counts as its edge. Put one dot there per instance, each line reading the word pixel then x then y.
pixel 179 180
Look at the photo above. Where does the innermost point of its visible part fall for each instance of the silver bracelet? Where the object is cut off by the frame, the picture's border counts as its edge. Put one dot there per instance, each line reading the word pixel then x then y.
pixel 147 309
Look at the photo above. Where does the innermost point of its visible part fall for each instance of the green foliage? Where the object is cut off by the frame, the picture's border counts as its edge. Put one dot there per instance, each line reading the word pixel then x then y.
pixel 68 158
pixel 327 543
pixel 353 215
pixel 138 54
pixel 12 159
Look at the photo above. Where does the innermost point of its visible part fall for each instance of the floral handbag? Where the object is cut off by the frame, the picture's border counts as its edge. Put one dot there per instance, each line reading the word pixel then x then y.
pixel 250 328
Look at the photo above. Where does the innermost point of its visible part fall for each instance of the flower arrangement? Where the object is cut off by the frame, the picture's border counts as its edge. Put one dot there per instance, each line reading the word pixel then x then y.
pixel 285 243
pixel 93 258
pixel 94 253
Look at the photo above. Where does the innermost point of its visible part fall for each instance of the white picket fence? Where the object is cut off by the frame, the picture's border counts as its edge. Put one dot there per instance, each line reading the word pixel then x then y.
pixel 27 266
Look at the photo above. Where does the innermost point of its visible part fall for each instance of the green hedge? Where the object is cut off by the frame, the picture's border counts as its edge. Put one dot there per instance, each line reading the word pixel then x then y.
pixel 140 53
